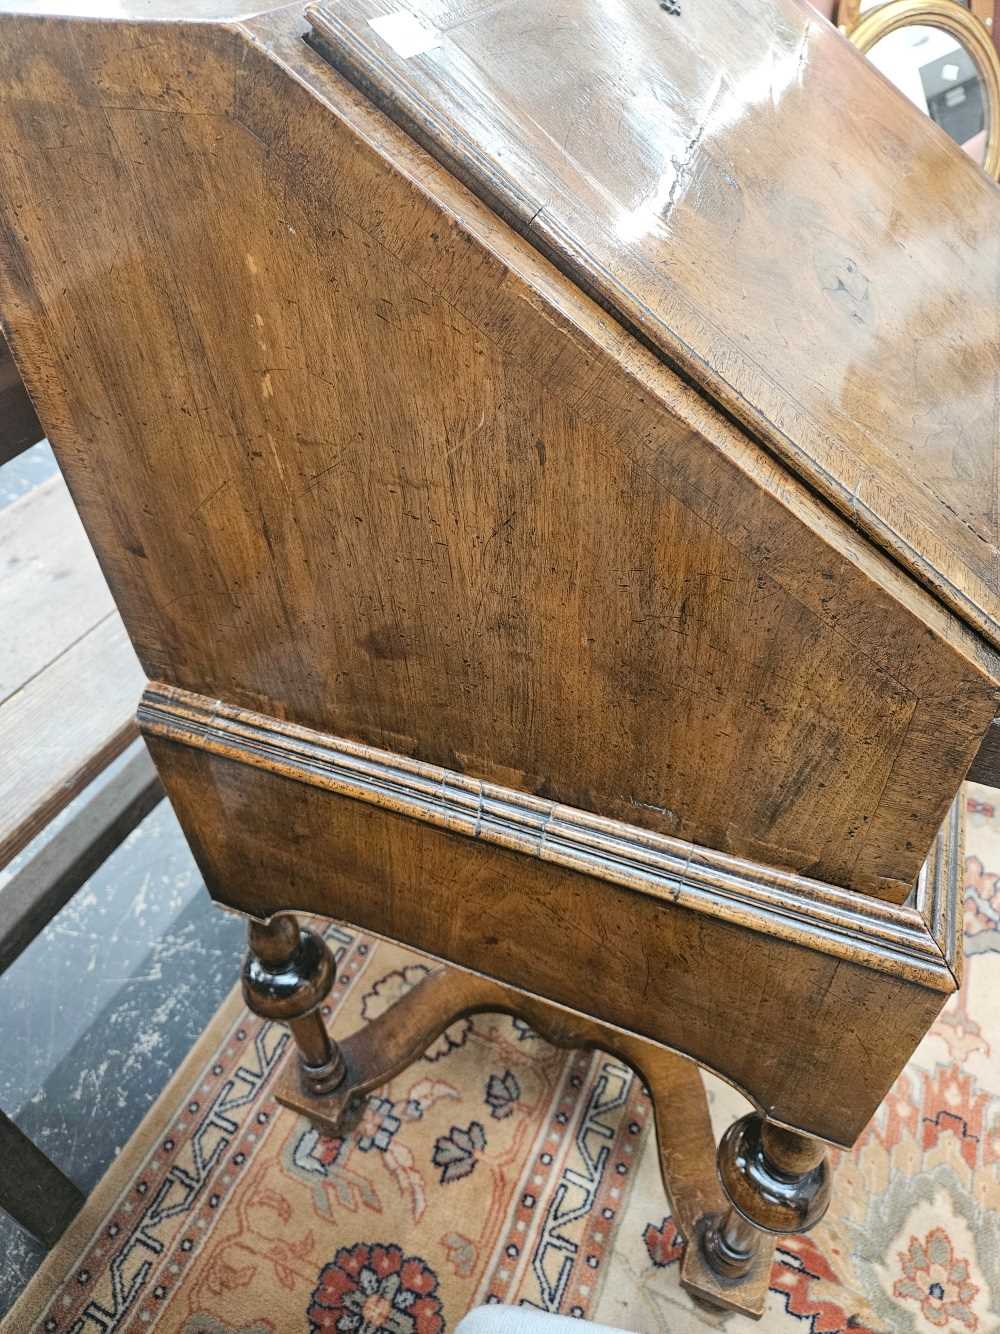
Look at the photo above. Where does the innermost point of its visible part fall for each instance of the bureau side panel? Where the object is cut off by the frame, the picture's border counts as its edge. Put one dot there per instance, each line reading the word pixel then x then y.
pixel 350 454
pixel 706 987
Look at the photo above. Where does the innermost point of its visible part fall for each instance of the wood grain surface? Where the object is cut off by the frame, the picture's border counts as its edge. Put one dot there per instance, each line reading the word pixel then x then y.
pixel 703 953
pixel 764 208
pixel 353 453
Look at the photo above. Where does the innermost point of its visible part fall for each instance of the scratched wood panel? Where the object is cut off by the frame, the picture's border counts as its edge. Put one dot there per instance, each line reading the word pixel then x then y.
pixel 641 964
pixel 354 454
pixel 740 187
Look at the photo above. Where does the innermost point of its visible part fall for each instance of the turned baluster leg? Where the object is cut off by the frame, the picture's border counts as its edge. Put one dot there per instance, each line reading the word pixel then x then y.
pixel 776 1181
pixel 287 975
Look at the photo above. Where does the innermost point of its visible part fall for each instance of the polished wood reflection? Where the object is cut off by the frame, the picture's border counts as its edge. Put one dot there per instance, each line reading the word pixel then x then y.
pixel 353 453
pixel 764 209
pixel 548 470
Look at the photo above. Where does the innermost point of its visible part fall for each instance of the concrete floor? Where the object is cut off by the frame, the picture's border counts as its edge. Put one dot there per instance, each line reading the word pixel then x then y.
pixel 103 1006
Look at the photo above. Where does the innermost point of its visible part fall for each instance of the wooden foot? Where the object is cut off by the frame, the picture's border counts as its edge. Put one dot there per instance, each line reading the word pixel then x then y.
pixel 288 974
pixel 705 1278
pixel 777 1182
pixel 399 1036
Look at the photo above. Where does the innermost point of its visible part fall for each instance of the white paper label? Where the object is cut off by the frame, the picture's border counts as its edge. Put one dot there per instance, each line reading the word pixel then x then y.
pixel 405 34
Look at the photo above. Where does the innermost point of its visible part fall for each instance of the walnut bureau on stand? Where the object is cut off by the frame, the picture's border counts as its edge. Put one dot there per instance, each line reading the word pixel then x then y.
pixel 546 460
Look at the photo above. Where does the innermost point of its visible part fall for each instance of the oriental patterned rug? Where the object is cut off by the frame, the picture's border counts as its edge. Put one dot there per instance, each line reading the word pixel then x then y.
pixel 499 1169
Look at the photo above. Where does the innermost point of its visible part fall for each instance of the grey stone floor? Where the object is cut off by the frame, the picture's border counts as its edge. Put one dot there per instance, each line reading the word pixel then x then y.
pixel 102 1007
pixel 24 472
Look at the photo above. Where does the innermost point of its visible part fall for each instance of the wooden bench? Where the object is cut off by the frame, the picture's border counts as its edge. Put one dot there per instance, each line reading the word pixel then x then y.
pixel 69 683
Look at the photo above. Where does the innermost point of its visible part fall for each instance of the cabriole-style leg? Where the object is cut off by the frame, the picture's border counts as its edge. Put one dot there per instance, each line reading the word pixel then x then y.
pixel 776 1181
pixel 288 974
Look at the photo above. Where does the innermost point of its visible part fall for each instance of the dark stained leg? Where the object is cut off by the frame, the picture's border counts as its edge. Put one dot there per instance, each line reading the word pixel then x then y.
pixel 288 974
pixel 776 1181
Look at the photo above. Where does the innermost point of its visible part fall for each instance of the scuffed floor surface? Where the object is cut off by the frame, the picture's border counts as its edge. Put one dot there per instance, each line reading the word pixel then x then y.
pixel 101 1009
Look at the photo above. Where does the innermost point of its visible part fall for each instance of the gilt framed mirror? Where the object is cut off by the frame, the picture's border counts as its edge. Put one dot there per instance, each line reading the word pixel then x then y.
pixel 940 56
pixel 848 13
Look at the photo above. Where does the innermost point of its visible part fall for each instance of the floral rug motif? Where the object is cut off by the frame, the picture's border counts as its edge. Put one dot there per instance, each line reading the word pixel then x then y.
pixel 499 1169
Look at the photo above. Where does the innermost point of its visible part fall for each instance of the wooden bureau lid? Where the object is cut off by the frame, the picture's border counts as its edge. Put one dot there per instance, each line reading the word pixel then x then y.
pixel 752 199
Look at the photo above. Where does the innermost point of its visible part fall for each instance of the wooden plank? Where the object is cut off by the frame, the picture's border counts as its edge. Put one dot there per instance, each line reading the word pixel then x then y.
pixel 30 900
pixel 19 426
pixel 32 1189
pixel 62 728
pixel 52 591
